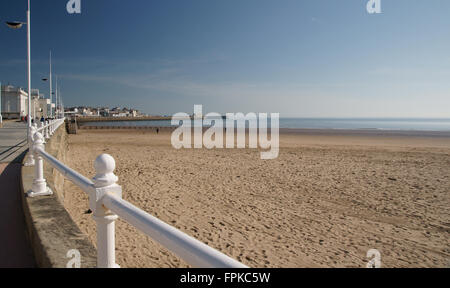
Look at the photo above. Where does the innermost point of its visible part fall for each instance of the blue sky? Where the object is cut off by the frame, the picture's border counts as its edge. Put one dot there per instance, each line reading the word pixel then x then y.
pixel 311 58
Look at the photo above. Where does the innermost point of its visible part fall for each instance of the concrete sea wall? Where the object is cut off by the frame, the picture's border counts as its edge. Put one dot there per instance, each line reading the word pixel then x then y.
pixel 51 231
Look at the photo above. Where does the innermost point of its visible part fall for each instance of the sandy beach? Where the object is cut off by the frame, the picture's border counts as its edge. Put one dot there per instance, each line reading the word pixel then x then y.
pixel 324 202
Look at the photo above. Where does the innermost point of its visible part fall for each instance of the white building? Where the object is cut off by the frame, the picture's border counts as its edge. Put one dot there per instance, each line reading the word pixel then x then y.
pixel 35 109
pixel 44 108
pixel 14 102
pixel 87 112
pixel 119 114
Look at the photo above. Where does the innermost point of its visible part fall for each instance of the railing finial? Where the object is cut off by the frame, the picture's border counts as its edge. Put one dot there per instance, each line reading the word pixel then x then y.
pixel 38 140
pixel 104 167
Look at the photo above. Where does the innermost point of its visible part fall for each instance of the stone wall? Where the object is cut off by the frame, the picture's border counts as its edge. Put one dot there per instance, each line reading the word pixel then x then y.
pixel 51 230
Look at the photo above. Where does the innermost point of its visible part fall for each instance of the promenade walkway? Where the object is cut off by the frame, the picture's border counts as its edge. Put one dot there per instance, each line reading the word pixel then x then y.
pixel 15 250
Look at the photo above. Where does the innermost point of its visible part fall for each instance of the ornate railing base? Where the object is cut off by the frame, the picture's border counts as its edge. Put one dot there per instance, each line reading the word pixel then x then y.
pixel 32 194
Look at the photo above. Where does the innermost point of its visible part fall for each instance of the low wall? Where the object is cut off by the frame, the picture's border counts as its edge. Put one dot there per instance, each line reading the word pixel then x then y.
pixel 81 119
pixel 51 230
pixel 160 129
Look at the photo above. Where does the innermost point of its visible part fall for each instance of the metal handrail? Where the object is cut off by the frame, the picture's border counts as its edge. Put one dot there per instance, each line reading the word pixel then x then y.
pixel 186 247
pixel 105 200
pixel 76 178
pixel 49 124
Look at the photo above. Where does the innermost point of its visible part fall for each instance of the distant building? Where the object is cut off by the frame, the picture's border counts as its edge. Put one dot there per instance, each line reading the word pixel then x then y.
pixel 35 108
pixel 119 114
pixel 103 112
pixel 86 112
pixel 44 108
pixel 35 93
pixel 134 113
pixel 14 102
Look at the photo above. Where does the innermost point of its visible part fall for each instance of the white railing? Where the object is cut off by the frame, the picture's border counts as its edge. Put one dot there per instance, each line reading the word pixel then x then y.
pixel 105 200
pixel 48 128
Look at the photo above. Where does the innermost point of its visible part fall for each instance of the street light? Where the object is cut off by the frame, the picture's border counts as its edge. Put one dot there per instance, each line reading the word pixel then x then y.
pixel 18 25
pixel 46 79
pixel 51 96
pixel 15 24
pixel 56 98
pixel 53 111
pixel 61 105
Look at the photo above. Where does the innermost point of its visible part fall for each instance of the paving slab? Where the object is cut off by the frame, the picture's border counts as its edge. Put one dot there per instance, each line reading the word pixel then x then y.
pixel 15 249
pixel 13 141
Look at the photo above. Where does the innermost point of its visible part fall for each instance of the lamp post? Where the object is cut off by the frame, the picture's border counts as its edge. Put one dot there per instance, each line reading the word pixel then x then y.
pixel 50 80
pixel 56 98
pixel 61 105
pixel 29 63
pixel 18 25
pixel 51 95
pixel 34 107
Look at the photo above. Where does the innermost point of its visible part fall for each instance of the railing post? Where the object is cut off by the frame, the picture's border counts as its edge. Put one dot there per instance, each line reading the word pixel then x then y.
pixel 30 159
pixel 105 182
pixel 46 134
pixel 39 187
pixel 39 126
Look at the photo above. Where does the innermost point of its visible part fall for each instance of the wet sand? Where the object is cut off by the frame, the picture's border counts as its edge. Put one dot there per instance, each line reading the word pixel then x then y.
pixel 328 198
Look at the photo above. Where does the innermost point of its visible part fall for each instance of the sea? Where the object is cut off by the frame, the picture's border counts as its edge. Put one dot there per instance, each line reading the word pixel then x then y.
pixel 402 124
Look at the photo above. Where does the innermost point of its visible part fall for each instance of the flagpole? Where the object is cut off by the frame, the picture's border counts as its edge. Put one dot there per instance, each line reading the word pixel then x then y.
pixel 51 94
pixel 29 65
